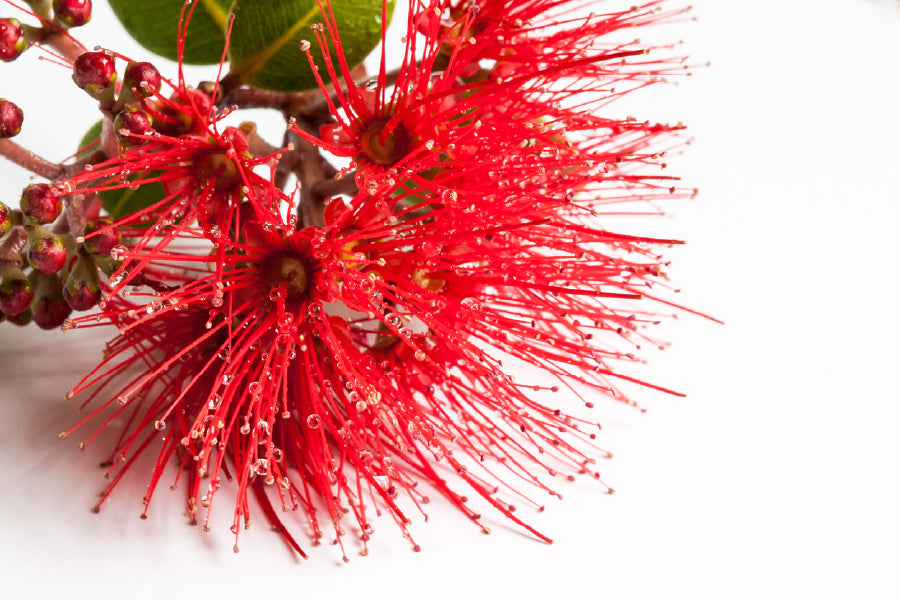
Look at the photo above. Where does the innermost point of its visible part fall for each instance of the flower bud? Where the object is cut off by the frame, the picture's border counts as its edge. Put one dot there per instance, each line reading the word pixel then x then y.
pixel 12 39
pixel 11 118
pixel 180 114
pixel 5 219
pixel 41 202
pixel 95 73
pixel 143 77
pixel 100 237
pixel 215 167
pixel 16 292
pixel 132 120
pixel 82 289
pixel 72 13
pixel 45 251
pixel 237 138
pixel 22 319
pixel 49 308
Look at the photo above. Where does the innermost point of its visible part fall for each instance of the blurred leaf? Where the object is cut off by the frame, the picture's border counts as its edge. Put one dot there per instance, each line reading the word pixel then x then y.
pixel 154 24
pixel 265 42
pixel 92 135
pixel 124 201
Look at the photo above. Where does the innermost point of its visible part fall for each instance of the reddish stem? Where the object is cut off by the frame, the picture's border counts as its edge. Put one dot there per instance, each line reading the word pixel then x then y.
pixel 65 45
pixel 29 160
pixel 58 39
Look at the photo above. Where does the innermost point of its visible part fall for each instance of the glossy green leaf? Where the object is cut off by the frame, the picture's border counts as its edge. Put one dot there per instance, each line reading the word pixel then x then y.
pixel 265 41
pixel 124 201
pixel 154 24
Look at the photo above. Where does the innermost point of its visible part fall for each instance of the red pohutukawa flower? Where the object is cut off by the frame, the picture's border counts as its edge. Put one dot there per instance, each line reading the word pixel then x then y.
pixel 342 363
pixel 216 353
pixel 469 93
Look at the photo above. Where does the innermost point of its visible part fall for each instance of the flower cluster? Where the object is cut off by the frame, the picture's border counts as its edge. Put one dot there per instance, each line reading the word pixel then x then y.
pixel 329 348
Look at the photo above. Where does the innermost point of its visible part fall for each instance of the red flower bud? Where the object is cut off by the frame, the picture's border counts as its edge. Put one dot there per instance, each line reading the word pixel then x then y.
pixel 16 292
pixel 50 312
pixel 180 114
pixel 45 251
pixel 41 202
pixel 215 165
pixel 132 120
pixel 82 289
pixel 143 77
pixel 12 39
pixel 22 319
pixel 100 237
pixel 5 219
pixel 49 307
pixel 94 72
pixel 72 13
pixel 11 118
pixel 237 138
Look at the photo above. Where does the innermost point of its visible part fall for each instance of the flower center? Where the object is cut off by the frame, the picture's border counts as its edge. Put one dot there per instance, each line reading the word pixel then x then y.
pixel 394 147
pixel 286 272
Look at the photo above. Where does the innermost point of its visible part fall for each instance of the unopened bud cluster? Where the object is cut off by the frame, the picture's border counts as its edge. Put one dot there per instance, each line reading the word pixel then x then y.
pixel 54 251
pixel 45 271
pixel 95 73
pixel 15 37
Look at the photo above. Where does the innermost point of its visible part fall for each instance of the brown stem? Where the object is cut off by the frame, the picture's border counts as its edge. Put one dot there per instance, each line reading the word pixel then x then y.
pixel 29 160
pixel 58 39
pixel 258 145
pixel 65 45
pixel 97 156
pixel 75 218
pixel 249 97
pixel 319 183
pixel 43 167
pixel 310 171
pixel 332 187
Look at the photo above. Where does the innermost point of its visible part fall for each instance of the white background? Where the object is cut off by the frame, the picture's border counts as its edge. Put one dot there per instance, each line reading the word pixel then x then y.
pixel 778 475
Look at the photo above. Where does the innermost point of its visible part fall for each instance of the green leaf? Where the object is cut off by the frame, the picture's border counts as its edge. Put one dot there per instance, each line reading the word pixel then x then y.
pixel 124 201
pixel 154 24
pixel 92 135
pixel 265 41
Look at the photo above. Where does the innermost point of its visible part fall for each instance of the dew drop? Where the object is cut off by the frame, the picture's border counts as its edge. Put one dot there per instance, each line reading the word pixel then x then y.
pixel 118 252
